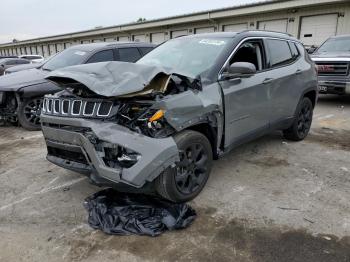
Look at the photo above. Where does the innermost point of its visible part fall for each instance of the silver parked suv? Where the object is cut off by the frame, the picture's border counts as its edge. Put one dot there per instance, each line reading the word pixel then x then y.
pixel 157 125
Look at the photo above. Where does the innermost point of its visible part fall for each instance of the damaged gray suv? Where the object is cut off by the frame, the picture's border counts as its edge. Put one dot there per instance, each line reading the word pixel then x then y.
pixel 157 125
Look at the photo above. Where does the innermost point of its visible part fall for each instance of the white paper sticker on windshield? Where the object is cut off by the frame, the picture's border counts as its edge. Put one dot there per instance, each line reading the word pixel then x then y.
pixel 81 53
pixel 212 42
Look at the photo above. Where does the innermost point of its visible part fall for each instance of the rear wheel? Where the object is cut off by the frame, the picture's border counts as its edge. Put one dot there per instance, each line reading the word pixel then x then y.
pixel 187 179
pixel 302 122
pixel 29 112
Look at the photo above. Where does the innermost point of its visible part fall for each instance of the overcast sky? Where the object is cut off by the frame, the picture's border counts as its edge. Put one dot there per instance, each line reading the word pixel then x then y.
pixel 25 19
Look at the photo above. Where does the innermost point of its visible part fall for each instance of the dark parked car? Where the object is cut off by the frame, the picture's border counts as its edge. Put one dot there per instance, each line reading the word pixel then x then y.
pixel 156 125
pixel 333 62
pixel 6 63
pixel 21 94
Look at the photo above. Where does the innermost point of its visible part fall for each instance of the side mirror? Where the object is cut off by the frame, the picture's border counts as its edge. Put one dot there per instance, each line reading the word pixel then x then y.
pixel 240 69
pixel 311 50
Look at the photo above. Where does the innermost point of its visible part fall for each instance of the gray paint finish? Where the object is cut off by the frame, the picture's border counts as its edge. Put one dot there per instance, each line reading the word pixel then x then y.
pixel 235 107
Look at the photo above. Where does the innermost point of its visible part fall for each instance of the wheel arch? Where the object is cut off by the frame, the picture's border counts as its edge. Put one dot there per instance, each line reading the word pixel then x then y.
pixel 312 95
pixel 210 132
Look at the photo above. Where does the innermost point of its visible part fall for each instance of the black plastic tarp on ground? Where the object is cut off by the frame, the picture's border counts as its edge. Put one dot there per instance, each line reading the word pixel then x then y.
pixel 124 214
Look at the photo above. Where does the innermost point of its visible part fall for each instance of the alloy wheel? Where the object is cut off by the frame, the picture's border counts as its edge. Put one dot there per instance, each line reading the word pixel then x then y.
pixel 192 168
pixel 304 120
pixel 32 111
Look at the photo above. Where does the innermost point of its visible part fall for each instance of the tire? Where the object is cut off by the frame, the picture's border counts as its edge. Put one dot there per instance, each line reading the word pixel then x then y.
pixel 29 113
pixel 186 180
pixel 302 122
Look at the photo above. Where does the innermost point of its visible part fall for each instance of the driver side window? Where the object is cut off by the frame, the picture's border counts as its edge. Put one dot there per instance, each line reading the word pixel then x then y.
pixel 251 51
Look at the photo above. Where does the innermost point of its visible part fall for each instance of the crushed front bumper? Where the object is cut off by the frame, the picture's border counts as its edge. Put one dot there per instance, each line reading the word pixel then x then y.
pixel 71 148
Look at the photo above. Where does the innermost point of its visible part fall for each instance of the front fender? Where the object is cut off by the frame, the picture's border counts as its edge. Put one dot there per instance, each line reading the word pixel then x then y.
pixel 195 107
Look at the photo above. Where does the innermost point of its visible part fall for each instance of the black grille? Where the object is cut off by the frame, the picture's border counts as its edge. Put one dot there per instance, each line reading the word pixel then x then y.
pixel 332 68
pixel 65 107
pixel 104 109
pixel 49 106
pixel 76 107
pixel 57 106
pixel 89 108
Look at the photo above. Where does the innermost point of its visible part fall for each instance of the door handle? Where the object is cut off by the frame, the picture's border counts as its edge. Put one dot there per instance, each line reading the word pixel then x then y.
pixel 298 72
pixel 267 81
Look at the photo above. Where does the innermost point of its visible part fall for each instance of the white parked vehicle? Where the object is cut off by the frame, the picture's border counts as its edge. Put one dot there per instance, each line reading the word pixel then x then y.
pixel 33 58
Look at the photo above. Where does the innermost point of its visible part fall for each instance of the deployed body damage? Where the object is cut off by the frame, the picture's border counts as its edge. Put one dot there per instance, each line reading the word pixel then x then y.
pixel 131 140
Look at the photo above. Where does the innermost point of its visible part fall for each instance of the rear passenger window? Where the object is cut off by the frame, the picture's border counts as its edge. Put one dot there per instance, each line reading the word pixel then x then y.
pixel 279 51
pixel 145 50
pixel 129 54
pixel 103 56
pixel 294 49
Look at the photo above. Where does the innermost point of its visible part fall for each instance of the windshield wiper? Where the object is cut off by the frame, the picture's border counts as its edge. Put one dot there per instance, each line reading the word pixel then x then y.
pixel 46 69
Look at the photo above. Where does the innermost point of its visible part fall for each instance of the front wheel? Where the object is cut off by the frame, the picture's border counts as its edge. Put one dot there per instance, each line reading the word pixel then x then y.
pixel 29 111
pixel 186 180
pixel 302 122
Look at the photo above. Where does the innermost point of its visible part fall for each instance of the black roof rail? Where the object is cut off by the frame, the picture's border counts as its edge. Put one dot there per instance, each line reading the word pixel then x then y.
pixel 269 31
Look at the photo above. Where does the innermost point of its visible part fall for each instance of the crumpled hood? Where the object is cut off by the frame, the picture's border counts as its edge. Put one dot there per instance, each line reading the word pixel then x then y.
pixel 13 82
pixel 110 78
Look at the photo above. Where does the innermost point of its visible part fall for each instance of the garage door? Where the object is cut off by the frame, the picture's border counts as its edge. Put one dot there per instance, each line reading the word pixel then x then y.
pixel 157 38
pixel 279 25
pixel 139 38
pixel 178 33
pixel 123 39
pixel 315 30
pixel 52 49
pixel 33 50
pixel 59 47
pixel 110 39
pixel 40 51
pixel 67 45
pixel 235 27
pixel 204 30
pixel 46 51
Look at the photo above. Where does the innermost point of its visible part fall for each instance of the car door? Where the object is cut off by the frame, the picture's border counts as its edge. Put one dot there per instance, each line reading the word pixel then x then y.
pixel 284 74
pixel 247 99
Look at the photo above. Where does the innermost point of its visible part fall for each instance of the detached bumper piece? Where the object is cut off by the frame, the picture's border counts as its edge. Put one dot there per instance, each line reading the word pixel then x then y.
pixel 109 152
pixel 125 214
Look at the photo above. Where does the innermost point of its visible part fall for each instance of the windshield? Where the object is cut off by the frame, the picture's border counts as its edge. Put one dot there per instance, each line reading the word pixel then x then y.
pixel 68 57
pixel 189 56
pixel 333 45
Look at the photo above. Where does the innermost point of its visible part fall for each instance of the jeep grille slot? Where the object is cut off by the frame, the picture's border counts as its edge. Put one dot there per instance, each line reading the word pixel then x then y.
pixel 89 108
pixel 76 107
pixel 104 108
